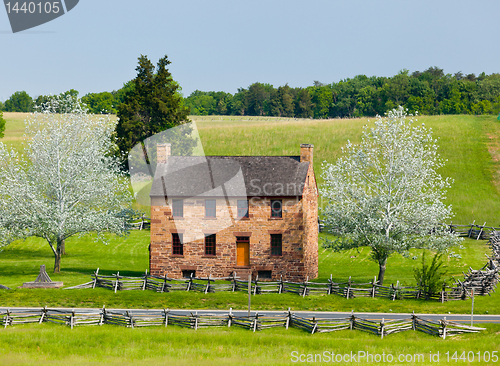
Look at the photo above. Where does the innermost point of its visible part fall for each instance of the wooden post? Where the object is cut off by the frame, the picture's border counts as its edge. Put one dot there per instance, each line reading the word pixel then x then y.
pixel 166 317
pixel 443 324
pixel 382 329
pixel 352 319
pixel 249 293
pixel 230 317
pixel 305 287
pixel 414 320
pixel 101 321
pixel 255 322
pixel 72 318
pixel 315 325
pixel 481 231
pixel 44 311
pixel 373 286
pixel 116 283
pixel 288 319
pixel 472 308
pixel 196 321
pixel 96 273
pixel 145 280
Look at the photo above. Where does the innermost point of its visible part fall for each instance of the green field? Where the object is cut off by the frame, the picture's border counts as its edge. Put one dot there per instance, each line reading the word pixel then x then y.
pixel 51 344
pixel 469 143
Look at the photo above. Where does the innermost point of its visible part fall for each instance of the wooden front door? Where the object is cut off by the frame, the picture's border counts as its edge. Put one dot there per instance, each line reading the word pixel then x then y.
pixel 242 253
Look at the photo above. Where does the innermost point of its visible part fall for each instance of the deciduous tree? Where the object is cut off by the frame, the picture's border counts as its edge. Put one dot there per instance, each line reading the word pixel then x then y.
pixel 66 182
pixel 386 193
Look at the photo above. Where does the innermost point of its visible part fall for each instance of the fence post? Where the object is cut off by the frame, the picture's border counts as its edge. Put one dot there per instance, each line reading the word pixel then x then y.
pixel 373 286
pixel 352 319
pixel 117 279
pixel 382 329
pixel 196 321
pixel 166 316
pixel 208 284
pixel 230 317
pixel 443 325
pixel 280 290
pixel 72 319
pixel 190 281
pixel 44 312
pixel 145 280
pixel 305 287
pixel 96 273
pixel 289 315
pixel 101 321
pixel 315 325
pixel 255 322
pixel 414 320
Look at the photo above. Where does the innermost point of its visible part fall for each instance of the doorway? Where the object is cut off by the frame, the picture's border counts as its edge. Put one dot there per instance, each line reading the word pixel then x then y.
pixel 243 251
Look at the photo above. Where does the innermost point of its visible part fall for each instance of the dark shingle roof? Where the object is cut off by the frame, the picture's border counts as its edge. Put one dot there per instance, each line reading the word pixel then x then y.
pixel 210 176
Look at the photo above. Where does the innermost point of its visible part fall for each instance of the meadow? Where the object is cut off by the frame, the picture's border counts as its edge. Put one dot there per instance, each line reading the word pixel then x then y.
pixel 51 344
pixel 471 145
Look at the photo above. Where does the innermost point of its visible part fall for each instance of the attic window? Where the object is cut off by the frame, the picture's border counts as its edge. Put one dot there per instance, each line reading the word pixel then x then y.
pixel 276 208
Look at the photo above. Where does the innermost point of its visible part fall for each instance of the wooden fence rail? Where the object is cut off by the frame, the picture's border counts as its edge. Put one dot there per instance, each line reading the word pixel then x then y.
pixel 483 282
pixel 255 322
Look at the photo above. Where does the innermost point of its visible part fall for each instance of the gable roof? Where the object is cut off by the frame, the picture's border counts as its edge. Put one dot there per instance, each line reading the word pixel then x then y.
pixel 230 176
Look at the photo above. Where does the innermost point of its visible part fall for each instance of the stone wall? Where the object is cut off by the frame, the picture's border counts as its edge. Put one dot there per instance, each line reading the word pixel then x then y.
pixel 298 229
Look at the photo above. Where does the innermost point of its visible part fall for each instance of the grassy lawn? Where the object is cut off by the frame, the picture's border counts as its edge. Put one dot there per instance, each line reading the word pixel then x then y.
pixel 51 344
pixel 20 262
pixel 469 143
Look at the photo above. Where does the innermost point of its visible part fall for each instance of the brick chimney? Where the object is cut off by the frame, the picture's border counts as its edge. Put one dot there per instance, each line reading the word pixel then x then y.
pixel 163 151
pixel 306 153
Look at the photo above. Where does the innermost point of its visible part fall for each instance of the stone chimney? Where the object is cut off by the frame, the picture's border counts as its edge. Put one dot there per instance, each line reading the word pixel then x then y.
pixel 306 153
pixel 163 151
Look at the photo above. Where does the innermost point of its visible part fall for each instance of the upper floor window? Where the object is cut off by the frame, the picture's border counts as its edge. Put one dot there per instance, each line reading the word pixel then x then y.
pixel 276 244
pixel 178 208
pixel 210 244
pixel 242 208
pixel 210 208
pixel 177 246
pixel 276 208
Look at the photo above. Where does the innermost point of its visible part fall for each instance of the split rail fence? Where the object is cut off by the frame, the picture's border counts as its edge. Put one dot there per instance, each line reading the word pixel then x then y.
pixel 482 282
pixel 257 322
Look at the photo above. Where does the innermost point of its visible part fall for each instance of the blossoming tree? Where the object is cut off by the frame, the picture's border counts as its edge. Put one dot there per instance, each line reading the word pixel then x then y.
pixel 66 181
pixel 386 193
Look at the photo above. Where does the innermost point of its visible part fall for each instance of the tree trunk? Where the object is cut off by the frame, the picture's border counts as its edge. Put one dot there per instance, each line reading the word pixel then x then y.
pixel 63 247
pixel 58 254
pixel 381 271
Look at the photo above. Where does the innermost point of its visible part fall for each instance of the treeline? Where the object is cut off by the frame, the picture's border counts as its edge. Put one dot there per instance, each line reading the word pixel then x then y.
pixel 97 103
pixel 429 92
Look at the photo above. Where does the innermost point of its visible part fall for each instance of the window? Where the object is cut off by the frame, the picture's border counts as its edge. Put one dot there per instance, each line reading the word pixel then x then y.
pixel 275 244
pixel 210 207
pixel 210 244
pixel 177 246
pixel 188 273
pixel 242 208
pixel 276 208
pixel 265 275
pixel 178 208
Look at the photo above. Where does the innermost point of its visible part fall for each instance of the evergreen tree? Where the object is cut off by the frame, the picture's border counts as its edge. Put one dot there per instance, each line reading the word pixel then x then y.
pixel 153 105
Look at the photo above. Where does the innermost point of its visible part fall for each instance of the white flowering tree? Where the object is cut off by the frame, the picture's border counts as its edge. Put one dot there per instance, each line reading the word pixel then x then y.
pixel 386 193
pixel 66 182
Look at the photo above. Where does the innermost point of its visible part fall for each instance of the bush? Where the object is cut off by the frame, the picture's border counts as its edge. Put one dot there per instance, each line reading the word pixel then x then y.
pixel 430 277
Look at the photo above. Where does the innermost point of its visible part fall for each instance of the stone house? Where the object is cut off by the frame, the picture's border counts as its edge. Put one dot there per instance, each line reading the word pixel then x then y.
pixel 216 215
